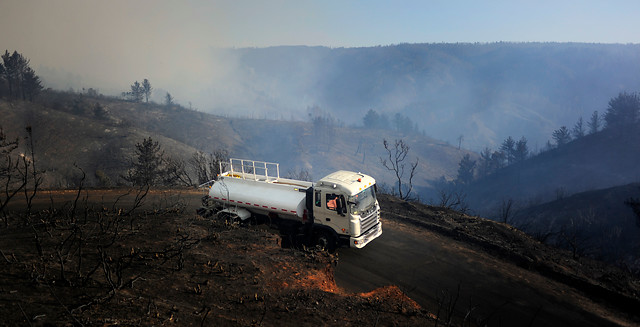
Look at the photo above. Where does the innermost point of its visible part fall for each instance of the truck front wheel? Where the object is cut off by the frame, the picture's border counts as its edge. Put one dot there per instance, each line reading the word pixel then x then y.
pixel 325 241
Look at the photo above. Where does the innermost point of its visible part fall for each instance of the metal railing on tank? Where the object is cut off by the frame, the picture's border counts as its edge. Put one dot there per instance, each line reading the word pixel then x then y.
pixel 258 170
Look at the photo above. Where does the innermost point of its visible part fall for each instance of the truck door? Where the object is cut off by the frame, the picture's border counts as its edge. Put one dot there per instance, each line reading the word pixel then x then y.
pixel 333 212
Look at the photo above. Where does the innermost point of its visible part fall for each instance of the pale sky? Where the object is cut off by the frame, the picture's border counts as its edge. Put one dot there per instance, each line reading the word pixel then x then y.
pixel 109 44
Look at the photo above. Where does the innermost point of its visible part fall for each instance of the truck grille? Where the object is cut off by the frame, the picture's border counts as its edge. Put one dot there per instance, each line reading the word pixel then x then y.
pixel 369 221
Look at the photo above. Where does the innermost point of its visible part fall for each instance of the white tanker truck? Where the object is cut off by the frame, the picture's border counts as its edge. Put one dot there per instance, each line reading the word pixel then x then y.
pixel 340 209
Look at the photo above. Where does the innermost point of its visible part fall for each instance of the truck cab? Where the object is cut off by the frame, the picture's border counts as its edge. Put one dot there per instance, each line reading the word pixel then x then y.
pixel 346 203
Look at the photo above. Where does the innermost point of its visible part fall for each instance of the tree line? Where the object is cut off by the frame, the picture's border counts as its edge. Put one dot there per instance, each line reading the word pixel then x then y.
pixel 17 79
pixel 398 122
pixel 510 152
pixel 622 115
pixel 139 91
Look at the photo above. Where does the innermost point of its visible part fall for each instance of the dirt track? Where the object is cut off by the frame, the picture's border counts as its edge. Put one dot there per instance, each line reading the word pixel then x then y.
pixel 429 268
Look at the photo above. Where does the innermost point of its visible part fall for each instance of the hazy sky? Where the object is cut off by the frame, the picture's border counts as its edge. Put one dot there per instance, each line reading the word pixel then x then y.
pixel 109 44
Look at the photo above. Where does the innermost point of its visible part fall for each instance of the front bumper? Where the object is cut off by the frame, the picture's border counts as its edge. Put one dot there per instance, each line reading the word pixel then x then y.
pixel 364 239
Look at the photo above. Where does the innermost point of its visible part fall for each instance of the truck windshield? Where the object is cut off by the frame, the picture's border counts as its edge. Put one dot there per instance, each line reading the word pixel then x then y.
pixel 363 200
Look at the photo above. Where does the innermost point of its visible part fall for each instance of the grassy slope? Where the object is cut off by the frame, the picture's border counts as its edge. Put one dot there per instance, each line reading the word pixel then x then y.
pixel 62 139
pixel 65 135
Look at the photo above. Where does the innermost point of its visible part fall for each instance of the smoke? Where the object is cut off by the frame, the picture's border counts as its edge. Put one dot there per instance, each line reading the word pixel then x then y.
pixel 109 45
pixel 484 91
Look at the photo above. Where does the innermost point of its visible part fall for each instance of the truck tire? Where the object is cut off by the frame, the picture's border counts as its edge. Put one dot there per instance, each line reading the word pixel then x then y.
pixel 227 217
pixel 325 241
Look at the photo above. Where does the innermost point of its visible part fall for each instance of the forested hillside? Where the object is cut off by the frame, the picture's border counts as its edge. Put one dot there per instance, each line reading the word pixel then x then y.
pixel 609 158
pixel 577 194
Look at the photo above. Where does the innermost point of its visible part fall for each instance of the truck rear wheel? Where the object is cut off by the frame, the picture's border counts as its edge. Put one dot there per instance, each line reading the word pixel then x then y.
pixel 228 217
pixel 325 241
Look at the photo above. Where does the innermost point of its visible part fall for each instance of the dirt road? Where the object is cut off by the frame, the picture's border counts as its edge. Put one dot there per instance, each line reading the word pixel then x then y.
pixel 429 268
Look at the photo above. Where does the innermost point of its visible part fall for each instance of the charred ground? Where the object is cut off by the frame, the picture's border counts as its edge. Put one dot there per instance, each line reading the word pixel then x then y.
pixel 166 265
pixel 162 264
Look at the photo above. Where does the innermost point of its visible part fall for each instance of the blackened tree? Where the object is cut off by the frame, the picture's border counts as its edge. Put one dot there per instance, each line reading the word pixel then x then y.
pixel 484 164
pixel 403 124
pixel 11 71
pixel 136 92
pixel 460 139
pixel 31 85
pixel 508 148
pixel 176 172
pixel 562 136
pixel 497 160
pixel 465 170
pixel 623 111
pixel 595 123
pixel 147 167
pixel 521 151
pixel 168 100
pixel 370 120
pixel 578 129
pixel 374 120
pixel 11 182
pixel 395 162
pixel 207 165
pixel 146 89
pixel 99 111
pixel 20 79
